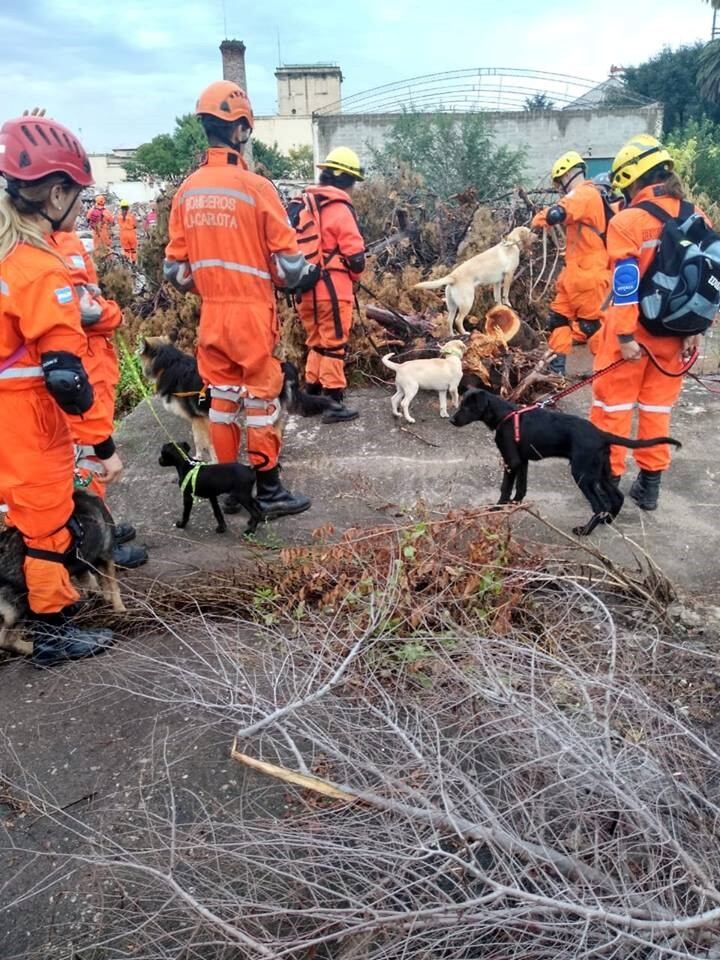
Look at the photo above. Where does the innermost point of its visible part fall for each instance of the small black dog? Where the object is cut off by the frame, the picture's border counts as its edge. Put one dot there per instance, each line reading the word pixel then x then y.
pixel 549 433
pixel 211 481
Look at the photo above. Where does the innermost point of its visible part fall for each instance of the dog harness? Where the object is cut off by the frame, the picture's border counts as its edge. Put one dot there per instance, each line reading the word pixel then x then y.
pixel 190 480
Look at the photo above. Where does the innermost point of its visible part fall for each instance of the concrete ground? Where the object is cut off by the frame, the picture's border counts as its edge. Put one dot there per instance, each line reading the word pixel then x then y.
pixel 378 467
pixel 87 743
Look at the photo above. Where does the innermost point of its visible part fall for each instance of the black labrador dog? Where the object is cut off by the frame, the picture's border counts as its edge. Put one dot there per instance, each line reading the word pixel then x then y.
pixel 549 433
pixel 211 481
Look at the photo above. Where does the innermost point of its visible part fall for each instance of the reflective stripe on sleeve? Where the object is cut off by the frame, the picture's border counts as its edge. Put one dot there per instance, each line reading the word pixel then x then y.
pixel 19 373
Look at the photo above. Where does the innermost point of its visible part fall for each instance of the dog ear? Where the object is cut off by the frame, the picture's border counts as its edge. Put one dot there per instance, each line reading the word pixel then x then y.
pixel 184 445
pixel 173 334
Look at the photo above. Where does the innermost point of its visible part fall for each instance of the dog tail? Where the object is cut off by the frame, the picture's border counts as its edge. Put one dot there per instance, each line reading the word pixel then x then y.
pixel 639 444
pixel 256 453
pixel 435 284
pixel 388 362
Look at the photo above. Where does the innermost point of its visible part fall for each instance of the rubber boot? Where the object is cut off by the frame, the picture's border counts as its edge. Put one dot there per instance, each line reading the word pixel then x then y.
pixel 645 490
pixel 274 500
pixel 339 413
pixel 558 364
pixel 128 556
pixel 56 639
pixel 124 533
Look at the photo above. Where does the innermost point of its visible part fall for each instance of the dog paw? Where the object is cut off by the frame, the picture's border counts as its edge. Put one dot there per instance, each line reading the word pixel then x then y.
pixel 445 415
pixel 222 529
pixel 409 420
pixel 180 525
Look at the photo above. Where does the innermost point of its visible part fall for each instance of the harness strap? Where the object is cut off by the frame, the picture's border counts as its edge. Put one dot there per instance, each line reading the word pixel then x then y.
pixel 335 353
pixel 190 479
pixel 13 358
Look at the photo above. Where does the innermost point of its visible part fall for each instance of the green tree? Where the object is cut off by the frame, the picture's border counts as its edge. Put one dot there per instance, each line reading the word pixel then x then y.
pixel 709 72
pixel 275 164
pixel 696 152
pixel 671 77
pixel 539 101
pixel 451 153
pixel 301 163
pixel 170 156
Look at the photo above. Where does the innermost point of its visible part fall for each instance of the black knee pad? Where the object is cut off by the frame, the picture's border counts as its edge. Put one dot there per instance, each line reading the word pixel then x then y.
pixel 556 320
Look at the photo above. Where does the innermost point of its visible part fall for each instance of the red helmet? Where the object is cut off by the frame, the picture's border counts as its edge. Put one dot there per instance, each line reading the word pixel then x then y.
pixel 33 147
pixel 226 101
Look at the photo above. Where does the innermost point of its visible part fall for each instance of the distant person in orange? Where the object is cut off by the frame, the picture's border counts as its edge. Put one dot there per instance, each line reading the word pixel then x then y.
pixel 127 227
pixel 43 379
pixel 229 240
pixel 100 220
pixel 329 236
pixel 584 284
pixel 643 171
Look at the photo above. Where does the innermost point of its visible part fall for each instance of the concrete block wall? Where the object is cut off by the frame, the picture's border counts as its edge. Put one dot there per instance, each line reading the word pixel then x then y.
pixel 544 135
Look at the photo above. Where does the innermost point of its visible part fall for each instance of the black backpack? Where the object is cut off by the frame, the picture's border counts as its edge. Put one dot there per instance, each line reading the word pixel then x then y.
pixel 680 293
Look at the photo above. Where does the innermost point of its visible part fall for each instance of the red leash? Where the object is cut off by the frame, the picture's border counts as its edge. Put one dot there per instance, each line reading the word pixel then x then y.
pixel 553 398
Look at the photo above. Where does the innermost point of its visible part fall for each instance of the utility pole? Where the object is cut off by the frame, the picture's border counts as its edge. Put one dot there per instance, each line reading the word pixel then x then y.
pixel 715 26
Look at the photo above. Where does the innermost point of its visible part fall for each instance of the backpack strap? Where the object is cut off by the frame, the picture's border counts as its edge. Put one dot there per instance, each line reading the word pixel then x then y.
pixel 655 211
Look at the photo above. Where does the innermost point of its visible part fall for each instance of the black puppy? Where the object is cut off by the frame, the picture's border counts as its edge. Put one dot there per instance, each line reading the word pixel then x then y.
pixel 549 433
pixel 210 482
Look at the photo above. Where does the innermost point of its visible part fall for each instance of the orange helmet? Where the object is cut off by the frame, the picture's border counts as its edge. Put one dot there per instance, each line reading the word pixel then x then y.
pixel 226 101
pixel 99 201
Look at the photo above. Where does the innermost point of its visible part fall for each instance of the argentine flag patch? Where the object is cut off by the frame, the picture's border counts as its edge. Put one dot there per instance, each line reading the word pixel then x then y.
pixel 64 295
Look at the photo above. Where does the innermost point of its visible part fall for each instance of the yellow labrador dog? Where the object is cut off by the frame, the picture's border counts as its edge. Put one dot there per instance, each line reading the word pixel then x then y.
pixel 495 267
pixel 441 373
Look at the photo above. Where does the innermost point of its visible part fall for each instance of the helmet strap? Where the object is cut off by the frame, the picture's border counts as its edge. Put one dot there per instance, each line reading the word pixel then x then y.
pixel 37 205
pixel 566 184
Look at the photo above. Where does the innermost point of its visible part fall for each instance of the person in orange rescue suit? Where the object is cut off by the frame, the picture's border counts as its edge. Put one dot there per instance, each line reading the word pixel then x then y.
pixel 127 227
pixel 643 171
pixel 43 380
pixel 229 240
pixel 329 234
pixel 583 285
pixel 100 318
pixel 100 220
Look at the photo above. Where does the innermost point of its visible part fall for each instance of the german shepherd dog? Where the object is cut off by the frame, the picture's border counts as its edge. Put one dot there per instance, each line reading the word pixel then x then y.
pixel 96 550
pixel 177 381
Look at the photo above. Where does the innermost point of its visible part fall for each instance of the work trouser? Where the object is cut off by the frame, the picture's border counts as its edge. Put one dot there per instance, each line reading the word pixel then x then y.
pixel 129 247
pixel 36 484
pixel 327 331
pixel 637 384
pixel 235 359
pixel 102 240
pixel 103 370
pixel 577 310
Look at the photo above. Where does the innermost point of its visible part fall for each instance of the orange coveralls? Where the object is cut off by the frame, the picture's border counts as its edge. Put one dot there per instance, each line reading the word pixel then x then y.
pixel 39 311
pixel 227 223
pixel 100 361
pixel 127 226
pixel 634 233
pixel 100 220
pixel 583 285
pixel 327 322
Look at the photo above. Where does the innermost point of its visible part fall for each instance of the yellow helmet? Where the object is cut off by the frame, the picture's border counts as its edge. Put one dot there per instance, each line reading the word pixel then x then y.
pixel 566 162
pixel 639 155
pixel 343 160
pixel 124 203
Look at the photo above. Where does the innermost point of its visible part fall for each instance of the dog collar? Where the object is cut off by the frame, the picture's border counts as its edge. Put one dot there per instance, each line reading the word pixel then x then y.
pixel 451 353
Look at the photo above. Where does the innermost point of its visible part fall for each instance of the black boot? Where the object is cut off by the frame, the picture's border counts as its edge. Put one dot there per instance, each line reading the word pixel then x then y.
pixel 339 413
pixel 128 556
pixel 615 480
pixel 56 639
pixel 124 533
pixel 557 364
pixel 274 500
pixel 645 490
pixel 313 389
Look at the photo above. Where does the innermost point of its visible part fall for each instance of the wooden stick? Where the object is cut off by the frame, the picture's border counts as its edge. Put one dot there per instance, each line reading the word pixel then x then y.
pixel 291 776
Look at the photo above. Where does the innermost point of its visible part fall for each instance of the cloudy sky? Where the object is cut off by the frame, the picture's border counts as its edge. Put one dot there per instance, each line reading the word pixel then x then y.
pixel 120 72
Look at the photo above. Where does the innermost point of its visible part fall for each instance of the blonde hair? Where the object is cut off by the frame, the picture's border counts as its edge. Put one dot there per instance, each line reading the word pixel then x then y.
pixel 17 217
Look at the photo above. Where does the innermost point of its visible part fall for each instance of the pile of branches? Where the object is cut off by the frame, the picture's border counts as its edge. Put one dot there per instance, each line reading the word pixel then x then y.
pixel 529 796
